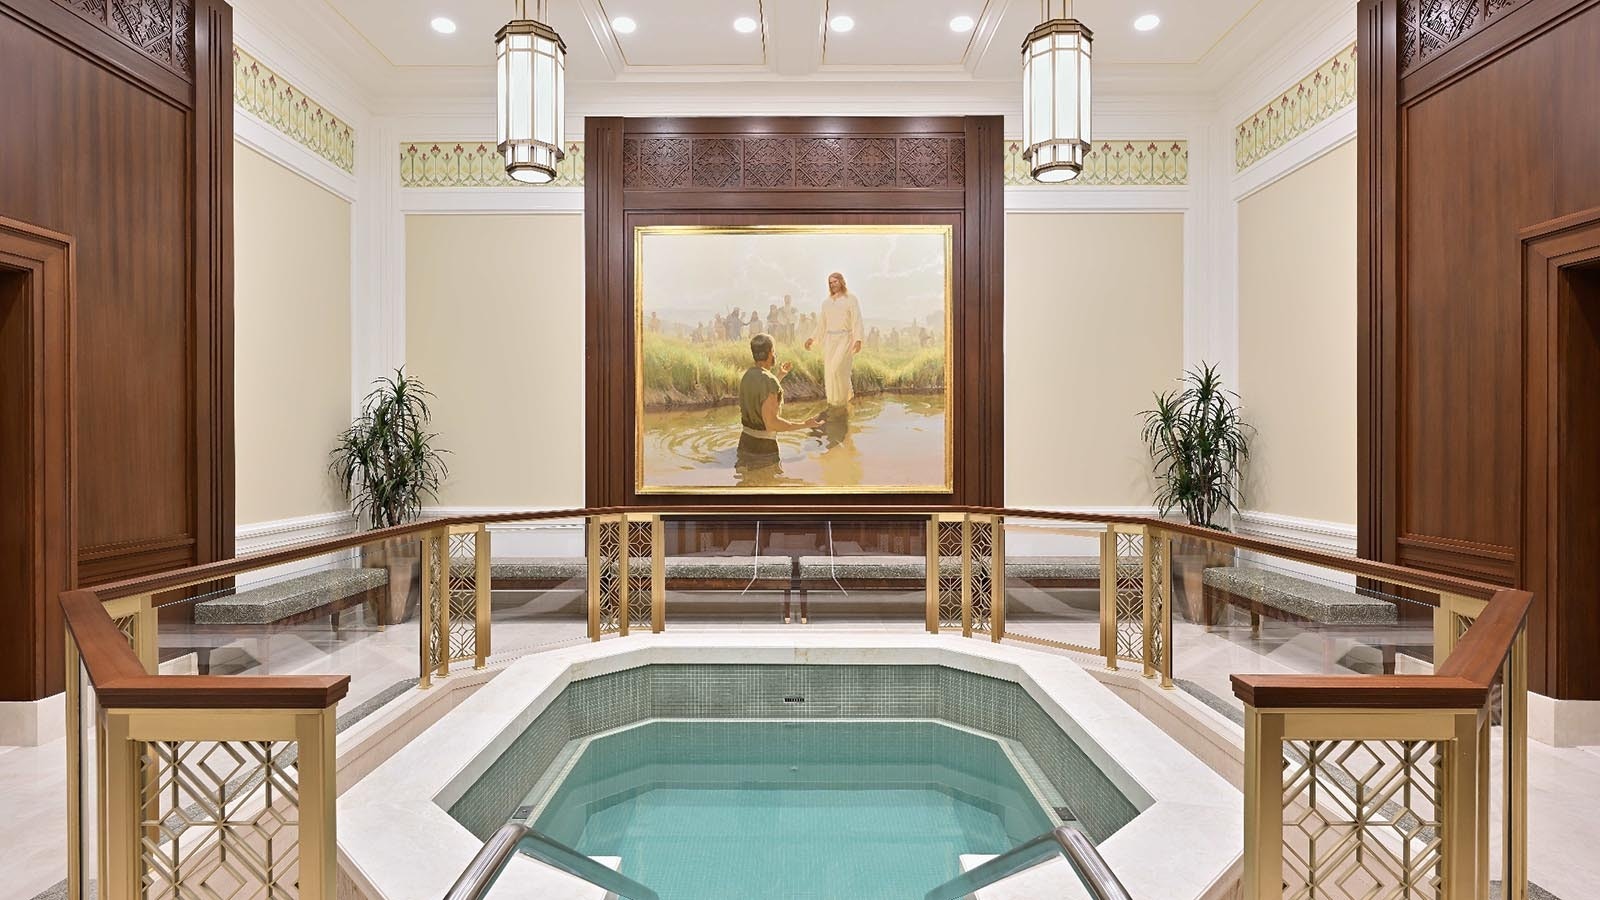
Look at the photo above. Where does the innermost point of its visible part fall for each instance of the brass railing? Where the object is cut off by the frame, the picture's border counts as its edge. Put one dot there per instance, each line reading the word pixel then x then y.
pixel 1355 785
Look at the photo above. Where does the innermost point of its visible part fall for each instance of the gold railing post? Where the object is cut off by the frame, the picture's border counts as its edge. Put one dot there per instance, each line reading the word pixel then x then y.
pixel 592 574
pixel 1163 556
pixel 1148 601
pixel 658 576
pixel 433 631
pixel 966 576
pixel 75 769
pixel 1460 796
pixel 1108 596
pixel 1263 805
pixel 997 580
pixel 1514 762
pixel 318 770
pixel 931 574
pixel 483 597
pixel 121 838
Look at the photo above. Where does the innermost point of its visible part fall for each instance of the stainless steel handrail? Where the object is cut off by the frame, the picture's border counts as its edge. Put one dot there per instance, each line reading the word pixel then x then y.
pixel 481 873
pixel 1065 840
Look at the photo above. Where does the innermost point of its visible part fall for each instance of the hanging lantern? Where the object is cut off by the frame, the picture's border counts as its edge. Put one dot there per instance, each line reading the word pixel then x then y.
pixel 1055 95
pixel 530 60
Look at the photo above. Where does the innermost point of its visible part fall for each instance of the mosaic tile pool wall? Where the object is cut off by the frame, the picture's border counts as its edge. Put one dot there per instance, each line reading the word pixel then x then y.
pixel 605 702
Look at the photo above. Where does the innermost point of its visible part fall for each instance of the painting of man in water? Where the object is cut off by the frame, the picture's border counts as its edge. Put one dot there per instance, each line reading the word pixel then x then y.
pixel 793 359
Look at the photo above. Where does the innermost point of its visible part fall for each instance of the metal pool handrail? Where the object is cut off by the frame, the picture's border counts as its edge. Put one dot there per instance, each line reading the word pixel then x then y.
pixel 1066 840
pixel 481 873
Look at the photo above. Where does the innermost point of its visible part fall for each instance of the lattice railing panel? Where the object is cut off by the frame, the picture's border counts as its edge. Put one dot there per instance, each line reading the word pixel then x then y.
pixel 980 560
pixel 1362 820
pixel 434 556
pixel 1159 549
pixel 1130 595
pixel 949 576
pixel 126 624
pixel 609 543
pixel 463 592
pixel 640 546
pixel 219 820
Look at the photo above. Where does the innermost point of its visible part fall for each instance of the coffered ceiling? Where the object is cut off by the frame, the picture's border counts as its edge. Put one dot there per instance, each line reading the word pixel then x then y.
pixel 890 38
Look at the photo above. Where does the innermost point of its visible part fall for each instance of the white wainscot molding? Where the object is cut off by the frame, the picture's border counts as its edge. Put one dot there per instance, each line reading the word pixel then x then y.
pixel 1320 140
pixel 1312 534
pixel 539 537
pixel 264 537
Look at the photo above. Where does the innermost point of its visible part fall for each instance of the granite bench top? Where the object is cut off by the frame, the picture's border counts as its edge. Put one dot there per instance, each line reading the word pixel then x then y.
pixel 278 600
pixel 1312 600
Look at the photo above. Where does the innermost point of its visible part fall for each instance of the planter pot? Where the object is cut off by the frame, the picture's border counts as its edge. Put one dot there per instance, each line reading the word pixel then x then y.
pixel 402 558
pixel 1191 556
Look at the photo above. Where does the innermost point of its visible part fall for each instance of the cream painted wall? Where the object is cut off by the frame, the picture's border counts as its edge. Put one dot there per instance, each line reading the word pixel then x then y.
pixel 494 327
pixel 1094 325
pixel 1297 340
pixel 291 339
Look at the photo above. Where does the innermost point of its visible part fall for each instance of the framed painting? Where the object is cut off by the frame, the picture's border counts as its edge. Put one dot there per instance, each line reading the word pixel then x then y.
pixel 793 359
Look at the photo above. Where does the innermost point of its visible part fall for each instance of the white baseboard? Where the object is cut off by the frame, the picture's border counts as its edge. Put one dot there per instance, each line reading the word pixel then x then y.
pixel 1563 723
pixel 29 723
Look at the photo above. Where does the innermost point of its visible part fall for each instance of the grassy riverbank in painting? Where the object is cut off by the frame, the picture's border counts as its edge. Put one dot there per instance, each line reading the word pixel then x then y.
pixel 680 374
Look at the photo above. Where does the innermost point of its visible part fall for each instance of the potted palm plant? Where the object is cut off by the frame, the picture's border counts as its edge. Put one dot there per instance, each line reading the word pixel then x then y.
pixel 1197 442
pixel 386 465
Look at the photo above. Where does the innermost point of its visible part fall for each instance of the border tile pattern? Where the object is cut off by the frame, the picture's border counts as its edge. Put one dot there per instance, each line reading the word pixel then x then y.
pixel 469 164
pixel 1315 98
pixel 1121 162
pixel 602 703
pixel 269 97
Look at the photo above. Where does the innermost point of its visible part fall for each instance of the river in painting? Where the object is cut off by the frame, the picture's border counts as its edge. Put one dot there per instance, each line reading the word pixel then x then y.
pixel 890 441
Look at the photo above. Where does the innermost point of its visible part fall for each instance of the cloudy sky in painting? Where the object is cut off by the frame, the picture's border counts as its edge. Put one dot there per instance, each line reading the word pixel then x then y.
pixel 899 278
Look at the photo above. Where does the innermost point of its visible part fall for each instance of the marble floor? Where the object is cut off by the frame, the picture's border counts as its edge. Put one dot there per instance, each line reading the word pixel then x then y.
pixel 1564 784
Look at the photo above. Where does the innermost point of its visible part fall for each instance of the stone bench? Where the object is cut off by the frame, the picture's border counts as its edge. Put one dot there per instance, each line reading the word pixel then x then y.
pixel 295 600
pixel 1334 609
pixel 909 573
pixel 683 572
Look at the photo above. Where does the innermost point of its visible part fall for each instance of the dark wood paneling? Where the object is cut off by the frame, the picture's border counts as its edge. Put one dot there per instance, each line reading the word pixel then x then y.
pixel 722 171
pixel 1477 121
pixel 117 131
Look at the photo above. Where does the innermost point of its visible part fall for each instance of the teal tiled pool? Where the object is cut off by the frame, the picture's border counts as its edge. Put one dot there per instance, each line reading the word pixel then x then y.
pixel 701 810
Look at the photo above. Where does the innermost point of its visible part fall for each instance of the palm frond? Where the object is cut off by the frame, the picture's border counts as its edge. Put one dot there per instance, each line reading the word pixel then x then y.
pixel 1197 440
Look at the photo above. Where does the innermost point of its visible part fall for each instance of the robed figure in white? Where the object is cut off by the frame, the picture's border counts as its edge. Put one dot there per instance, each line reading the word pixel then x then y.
pixel 839 333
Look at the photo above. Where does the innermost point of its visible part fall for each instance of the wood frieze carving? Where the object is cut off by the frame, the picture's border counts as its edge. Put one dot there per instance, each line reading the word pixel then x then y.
pixel 734 163
pixel 160 29
pixel 1428 27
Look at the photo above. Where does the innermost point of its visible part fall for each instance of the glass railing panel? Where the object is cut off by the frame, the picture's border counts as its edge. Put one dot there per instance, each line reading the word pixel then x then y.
pixel 539 575
pixel 1053 584
pixel 352 612
pixel 864 572
pixel 1247 612
pixel 86 738
pixel 726 571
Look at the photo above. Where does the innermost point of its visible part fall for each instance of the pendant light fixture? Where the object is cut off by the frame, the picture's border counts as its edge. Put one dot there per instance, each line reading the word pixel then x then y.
pixel 1055 94
pixel 530 61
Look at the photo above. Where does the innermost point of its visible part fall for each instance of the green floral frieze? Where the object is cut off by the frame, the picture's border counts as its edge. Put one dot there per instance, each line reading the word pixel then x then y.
pixel 474 164
pixel 1113 163
pixel 266 95
pixel 1313 99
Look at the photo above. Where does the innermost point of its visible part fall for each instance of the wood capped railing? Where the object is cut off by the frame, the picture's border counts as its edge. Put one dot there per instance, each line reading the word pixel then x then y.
pixel 146 730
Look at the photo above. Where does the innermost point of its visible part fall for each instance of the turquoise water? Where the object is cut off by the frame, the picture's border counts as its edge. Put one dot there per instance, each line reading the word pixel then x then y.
pixel 704 810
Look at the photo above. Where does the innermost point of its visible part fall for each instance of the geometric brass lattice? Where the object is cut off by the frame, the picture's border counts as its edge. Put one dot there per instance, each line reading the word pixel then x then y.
pixel 640 539
pixel 463 593
pixel 980 572
pixel 609 562
pixel 1159 549
pixel 219 819
pixel 1362 819
pixel 125 625
pixel 1130 595
pixel 436 589
pixel 950 547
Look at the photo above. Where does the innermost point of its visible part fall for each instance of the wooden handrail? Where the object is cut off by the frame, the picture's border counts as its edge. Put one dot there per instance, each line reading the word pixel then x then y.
pixel 1463 681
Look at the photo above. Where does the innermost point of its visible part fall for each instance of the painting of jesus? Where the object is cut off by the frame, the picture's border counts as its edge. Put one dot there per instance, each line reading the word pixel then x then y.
pixel 793 359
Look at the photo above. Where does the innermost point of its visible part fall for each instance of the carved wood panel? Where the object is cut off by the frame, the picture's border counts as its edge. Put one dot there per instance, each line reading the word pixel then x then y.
pixel 1429 26
pixel 842 163
pixel 160 29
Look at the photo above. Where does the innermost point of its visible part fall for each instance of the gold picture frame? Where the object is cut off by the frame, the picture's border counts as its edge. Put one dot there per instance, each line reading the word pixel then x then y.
pixel 641 481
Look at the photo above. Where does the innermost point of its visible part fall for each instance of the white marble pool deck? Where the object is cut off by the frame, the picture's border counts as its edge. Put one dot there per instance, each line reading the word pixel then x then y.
pixel 398 843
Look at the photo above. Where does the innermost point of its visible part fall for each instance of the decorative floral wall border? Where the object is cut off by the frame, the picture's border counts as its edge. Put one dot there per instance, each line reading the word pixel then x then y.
pixel 1313 99
pixel 271 98
pixel 474 164
pixel 1113 163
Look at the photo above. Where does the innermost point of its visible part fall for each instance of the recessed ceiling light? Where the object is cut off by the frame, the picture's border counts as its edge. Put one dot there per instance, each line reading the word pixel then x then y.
pixel 961 23
pixel 841 23
pixel 1147 22
pixel 744 24
pixel 443 25
pixel 623 25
